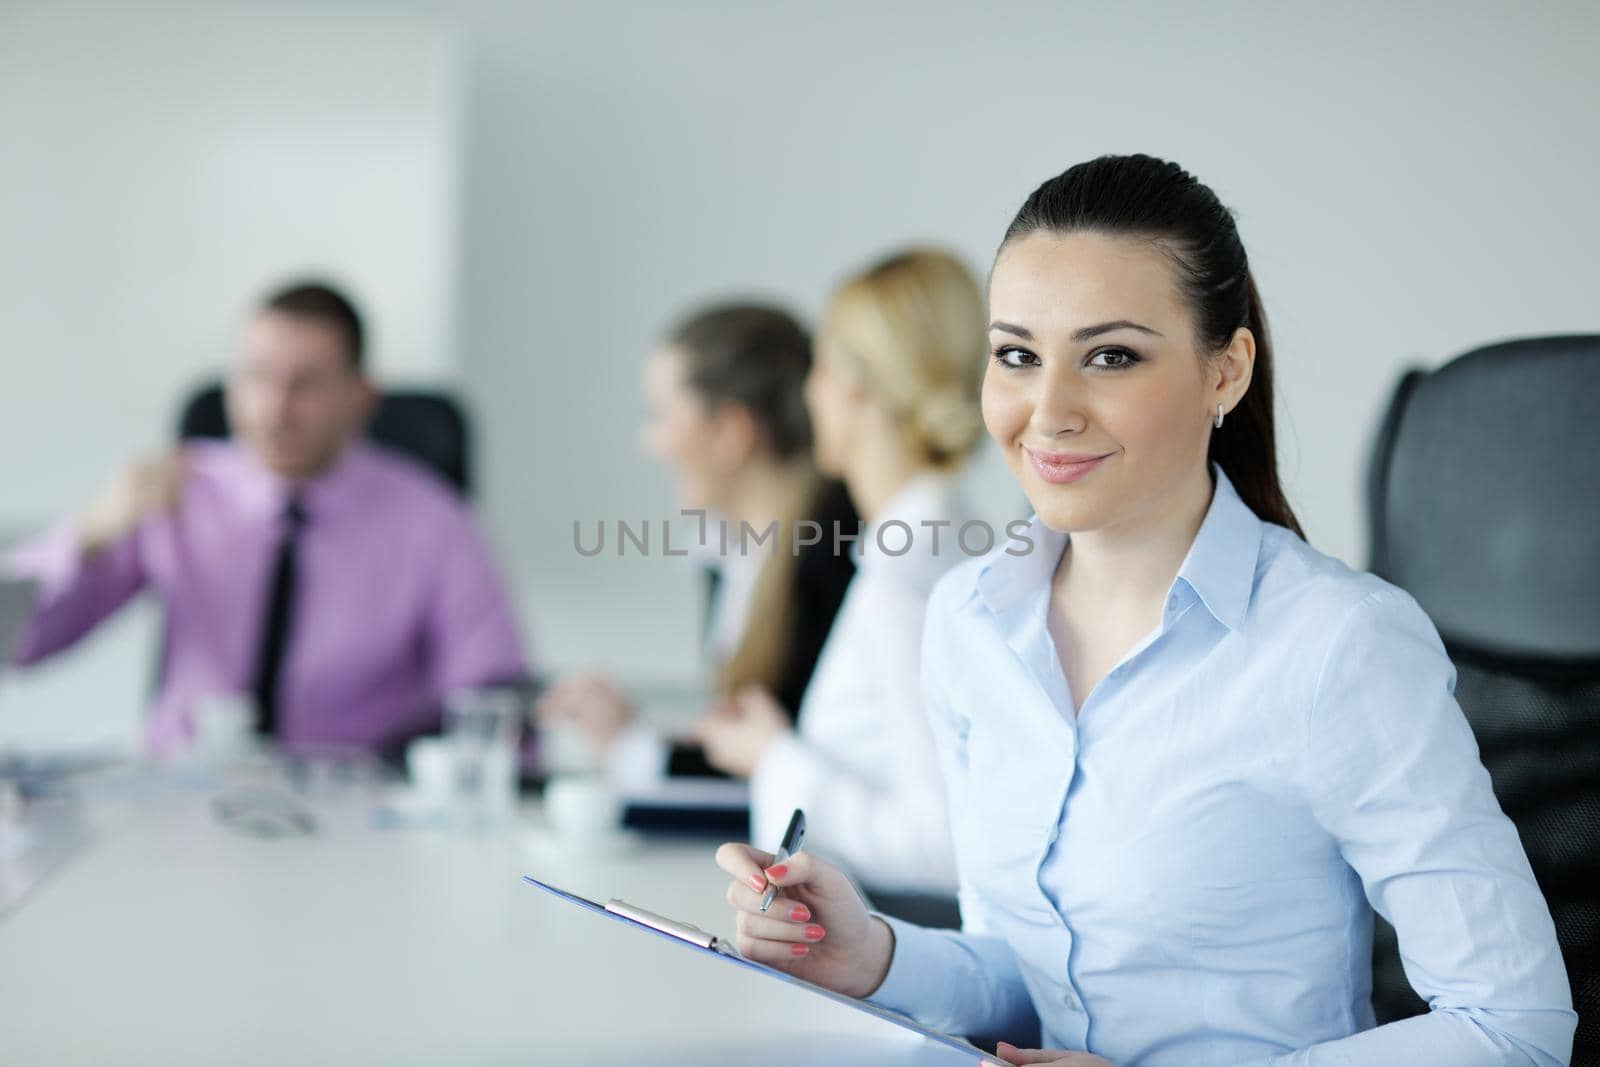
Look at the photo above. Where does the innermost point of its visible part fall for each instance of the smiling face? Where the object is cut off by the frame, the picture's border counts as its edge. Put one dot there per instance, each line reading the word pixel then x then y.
pixel 1097 394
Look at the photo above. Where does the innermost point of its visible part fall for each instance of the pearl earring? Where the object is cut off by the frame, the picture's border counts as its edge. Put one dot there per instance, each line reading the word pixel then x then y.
pixel 1218 423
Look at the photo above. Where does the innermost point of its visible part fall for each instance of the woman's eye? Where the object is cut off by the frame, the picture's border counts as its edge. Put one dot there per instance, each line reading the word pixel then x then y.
pixel 1012 356
pixel 1117 358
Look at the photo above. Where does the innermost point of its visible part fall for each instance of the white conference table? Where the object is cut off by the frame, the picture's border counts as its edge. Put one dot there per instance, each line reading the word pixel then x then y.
pixel 174 939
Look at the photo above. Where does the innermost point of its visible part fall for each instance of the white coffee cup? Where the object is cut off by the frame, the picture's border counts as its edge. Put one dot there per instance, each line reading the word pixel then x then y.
pixel 582 808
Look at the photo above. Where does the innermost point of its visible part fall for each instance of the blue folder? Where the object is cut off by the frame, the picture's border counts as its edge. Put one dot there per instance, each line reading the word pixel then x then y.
pixel 697 940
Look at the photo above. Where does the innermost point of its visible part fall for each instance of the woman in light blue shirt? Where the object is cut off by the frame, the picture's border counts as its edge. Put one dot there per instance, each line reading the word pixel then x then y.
pixel 1187 754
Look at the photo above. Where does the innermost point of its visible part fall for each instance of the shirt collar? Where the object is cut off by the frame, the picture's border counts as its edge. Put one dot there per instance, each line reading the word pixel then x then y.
pixel 1219 568
pixel 268 492
pixel 1221 564
pixel 337 486
pixel 1022 566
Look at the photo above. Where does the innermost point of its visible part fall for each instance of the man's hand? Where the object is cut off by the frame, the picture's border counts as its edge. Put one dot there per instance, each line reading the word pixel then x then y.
pixel 591 702
pixel 140 489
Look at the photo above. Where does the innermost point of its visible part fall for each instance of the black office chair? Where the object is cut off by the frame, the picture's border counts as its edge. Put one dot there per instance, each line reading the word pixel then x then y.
pixel 1484 498
pixel 430 427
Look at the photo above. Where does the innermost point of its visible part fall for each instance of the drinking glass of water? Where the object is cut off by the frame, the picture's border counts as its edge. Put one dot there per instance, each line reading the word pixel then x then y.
pixel 482 728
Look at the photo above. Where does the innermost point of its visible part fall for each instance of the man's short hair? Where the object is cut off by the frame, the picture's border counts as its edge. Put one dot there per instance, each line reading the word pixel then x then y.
pixel 321 303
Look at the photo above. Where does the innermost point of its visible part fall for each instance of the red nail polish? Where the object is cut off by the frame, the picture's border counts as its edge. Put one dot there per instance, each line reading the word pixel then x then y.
pixel 800 913
pixel 799 950
pixel 777 872
pixel 757 882
pixel 814 933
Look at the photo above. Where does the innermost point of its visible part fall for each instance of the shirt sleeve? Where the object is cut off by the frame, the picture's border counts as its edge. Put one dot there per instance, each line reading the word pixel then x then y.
pixel 966 981
pixel 472 634
pixel 75 592
pixel 1392 771
pixel 886 822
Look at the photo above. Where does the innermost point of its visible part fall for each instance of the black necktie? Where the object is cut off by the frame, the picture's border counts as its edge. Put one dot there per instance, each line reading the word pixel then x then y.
pixel 275 632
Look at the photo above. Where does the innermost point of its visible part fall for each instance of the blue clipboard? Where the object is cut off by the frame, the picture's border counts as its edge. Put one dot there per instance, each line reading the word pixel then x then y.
pixel 694 938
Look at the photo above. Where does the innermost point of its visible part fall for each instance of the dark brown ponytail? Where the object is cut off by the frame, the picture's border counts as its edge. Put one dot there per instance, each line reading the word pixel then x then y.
pixel 1247 433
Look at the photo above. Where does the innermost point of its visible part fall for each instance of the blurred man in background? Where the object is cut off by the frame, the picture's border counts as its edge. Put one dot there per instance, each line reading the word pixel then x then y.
pixel 338 587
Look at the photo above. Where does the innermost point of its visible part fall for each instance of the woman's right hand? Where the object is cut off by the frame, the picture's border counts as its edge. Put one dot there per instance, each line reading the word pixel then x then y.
pixel 818 927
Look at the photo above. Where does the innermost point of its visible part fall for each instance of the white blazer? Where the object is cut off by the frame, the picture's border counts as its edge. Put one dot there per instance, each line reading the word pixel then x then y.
pixel 862 764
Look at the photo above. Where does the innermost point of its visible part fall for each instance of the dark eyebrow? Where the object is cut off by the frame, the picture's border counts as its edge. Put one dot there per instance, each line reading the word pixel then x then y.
pixel 1084 334
pixel 1107 327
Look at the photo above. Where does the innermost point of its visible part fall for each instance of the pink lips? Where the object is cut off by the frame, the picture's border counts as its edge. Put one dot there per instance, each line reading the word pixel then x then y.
pixel 1059 468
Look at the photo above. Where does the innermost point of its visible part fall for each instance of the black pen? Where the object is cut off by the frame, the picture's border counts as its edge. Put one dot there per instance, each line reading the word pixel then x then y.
pixel 793 838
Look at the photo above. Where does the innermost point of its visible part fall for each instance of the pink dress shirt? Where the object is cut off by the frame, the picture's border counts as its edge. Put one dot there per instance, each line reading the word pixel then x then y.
pixel 397 603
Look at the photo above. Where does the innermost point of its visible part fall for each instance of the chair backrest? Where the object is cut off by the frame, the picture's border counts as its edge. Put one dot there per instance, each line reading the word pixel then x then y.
pixel 1484 503
pixel 430 427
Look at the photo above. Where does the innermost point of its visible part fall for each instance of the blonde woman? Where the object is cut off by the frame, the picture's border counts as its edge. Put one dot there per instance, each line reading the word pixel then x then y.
pixel 893 397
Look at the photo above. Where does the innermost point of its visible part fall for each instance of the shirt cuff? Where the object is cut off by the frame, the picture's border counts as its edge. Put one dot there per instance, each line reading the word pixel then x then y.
pixel 906 987
pixel 957 982
pixel 53 559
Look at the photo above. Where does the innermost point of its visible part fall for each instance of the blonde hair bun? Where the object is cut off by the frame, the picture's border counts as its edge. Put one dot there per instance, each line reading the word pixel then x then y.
pixel 915 327
pixel 949 423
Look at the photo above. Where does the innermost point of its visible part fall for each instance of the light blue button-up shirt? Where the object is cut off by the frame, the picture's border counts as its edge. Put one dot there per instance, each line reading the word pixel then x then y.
pixel 1181 873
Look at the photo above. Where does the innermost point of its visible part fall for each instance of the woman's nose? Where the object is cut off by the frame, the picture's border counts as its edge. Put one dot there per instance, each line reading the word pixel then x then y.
pixel 1057 406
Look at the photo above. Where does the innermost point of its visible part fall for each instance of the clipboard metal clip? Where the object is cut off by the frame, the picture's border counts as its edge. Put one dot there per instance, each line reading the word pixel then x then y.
pixel 671 927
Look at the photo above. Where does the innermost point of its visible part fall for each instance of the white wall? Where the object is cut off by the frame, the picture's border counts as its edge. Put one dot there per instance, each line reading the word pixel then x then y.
pixel 161 165
pixel 1410 180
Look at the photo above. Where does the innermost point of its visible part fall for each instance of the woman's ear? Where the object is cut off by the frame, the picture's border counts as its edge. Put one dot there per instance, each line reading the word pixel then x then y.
pixel 735 435
pixel 1231 370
